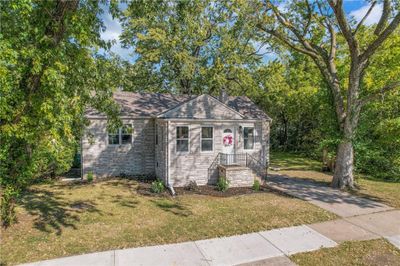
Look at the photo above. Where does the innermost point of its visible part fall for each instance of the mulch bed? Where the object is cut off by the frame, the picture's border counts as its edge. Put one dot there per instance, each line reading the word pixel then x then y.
pixel 207 190
pixel 212 191
pixel 144 188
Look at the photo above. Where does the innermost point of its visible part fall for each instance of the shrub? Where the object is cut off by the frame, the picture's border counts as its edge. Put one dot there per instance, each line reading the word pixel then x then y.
pixel 90 177
pixel 222 184
pixel 192 186
pixel 157 186
pixel 256 185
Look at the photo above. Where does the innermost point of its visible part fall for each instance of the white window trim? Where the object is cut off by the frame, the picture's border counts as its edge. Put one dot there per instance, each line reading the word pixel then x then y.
pixel 201 138
pixel 176 140
pixel 119 133
pixel 254 138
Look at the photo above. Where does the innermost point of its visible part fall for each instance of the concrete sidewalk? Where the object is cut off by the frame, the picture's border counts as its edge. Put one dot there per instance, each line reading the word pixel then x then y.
pixel 263 248
pixel 272 246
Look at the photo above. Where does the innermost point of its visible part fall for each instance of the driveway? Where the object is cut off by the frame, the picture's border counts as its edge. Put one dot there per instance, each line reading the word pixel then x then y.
pixel 341 203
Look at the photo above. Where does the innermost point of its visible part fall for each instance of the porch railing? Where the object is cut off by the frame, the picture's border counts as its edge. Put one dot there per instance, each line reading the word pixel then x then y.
pixel 233 159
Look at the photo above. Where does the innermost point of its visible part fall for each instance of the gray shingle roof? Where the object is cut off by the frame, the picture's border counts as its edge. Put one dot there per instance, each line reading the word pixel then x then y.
pixel 138 104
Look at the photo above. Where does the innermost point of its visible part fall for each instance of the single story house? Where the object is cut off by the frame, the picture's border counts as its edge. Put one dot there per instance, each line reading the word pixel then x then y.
pixel 179 139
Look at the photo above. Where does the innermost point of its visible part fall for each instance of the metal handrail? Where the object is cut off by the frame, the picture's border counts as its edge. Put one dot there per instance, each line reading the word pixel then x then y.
pixel 214 164
pixel 259 167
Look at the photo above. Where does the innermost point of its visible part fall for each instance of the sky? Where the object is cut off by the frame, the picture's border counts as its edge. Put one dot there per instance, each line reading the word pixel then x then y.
pixel 355 8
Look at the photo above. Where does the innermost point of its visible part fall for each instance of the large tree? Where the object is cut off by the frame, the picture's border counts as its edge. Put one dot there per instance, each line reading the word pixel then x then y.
pixel 48 76
pixel 314 28
pixel 190 46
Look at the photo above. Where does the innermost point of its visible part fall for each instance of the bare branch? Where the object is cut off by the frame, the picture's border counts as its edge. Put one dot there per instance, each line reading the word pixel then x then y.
pixel 282 38
pixel 381 38
pixel 344 26
pixel 384 18
pixel 309 17
pixel 365 17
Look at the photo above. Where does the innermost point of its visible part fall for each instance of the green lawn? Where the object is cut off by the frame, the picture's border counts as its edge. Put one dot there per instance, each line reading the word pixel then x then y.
pixel 60 219
pixel 372 252
pixel 292 161
pixel 298 167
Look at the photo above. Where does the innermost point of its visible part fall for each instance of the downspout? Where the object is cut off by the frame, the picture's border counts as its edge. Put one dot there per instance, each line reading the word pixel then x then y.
pixel 169 186
pixel 81 141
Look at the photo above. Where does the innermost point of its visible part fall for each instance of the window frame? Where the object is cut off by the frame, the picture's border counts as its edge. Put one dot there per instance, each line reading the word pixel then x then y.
pixel 201 139
pixel 119 134
pixel 108 138
pixel 176 139
pixel 254 138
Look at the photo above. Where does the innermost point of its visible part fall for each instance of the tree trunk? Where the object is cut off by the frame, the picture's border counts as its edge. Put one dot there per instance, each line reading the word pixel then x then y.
pixel 343 176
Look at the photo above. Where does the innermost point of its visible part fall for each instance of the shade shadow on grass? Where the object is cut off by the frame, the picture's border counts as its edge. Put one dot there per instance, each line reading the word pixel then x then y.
pixel 173 207
pixel 125 201
pixel 52 212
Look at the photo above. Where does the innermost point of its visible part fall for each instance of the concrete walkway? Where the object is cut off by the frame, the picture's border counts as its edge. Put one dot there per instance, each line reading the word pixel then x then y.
pixel 363 219
pixel 268 246
pixel 333 200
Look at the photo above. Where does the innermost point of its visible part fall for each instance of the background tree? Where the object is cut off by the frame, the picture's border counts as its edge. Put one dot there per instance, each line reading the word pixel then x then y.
pixel 48 76
pixel 190 46
pixel 313 28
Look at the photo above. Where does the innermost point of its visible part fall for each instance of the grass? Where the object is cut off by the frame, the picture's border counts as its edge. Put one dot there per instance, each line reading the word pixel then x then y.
pixel 372 252
pixel 293 161
pixel 383 191
pixel 59 219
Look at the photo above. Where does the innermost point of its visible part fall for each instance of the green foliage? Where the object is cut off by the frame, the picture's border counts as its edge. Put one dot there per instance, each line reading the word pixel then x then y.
pixel 157 186
pixel 304 121
pixel 49 74
pixel 90 177
pixel 7 211
pixel 190 46
pixel 256 185
pixel 222 184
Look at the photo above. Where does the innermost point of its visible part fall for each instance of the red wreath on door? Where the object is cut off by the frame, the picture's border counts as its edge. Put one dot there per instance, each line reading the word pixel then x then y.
pixel 228 140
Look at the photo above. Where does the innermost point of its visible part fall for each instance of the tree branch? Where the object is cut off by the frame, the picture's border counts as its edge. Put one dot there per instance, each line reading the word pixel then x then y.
pixel 364 18
pixel 280 37
pixel 381 38
pixel 383 90
pixel 344 26
pixel 384 18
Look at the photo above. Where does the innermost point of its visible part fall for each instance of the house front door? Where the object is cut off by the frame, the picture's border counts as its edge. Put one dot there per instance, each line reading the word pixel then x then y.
pixel 228 142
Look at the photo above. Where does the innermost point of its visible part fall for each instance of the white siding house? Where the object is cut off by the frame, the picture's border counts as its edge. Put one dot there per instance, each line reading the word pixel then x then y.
pixel 179 139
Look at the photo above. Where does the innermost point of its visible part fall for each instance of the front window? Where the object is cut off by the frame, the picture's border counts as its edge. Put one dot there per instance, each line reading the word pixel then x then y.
pixel 248 137
pixel 122 135
pixel 113 137
pixel 126 134
pixel 206 139
pixel 182 139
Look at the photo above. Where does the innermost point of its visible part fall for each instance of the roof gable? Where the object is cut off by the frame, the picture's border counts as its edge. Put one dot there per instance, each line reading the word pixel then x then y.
pixel 202 107
pixel 246 107
pixel 148 105
pixel 137 104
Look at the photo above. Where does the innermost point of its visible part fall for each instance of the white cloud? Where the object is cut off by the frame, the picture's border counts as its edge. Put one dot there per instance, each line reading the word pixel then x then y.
pixel 112 33
pixel 372 18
